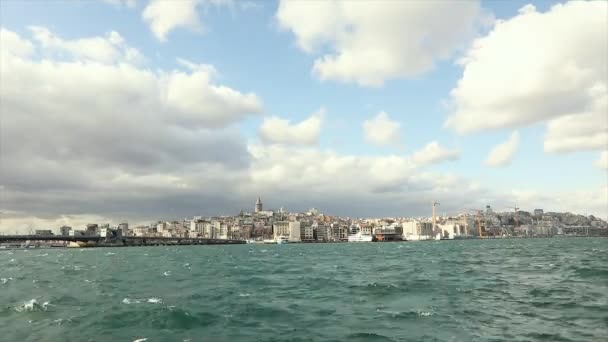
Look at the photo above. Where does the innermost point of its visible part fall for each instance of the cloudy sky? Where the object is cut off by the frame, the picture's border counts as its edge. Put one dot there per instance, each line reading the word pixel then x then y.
pixel 141 110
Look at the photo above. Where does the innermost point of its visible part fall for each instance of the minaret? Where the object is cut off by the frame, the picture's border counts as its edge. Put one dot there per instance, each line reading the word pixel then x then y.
pixel 258 205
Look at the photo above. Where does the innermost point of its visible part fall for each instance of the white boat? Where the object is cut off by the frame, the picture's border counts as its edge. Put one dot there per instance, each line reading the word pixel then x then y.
pixel 355 235
pixel 282 240
pixel 270 241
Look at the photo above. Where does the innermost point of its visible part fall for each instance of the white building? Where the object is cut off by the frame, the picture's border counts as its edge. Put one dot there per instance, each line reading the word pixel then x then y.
pixel 197 226
pixel 451 229
pixel 124 228
pixel 417 230
pixel 223 234
pixel 286 229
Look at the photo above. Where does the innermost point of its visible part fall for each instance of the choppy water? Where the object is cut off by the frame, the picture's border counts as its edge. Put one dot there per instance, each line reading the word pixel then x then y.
pixel 500 290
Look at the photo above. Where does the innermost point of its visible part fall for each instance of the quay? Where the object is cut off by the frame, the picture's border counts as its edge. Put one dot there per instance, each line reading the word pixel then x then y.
pixel 127 241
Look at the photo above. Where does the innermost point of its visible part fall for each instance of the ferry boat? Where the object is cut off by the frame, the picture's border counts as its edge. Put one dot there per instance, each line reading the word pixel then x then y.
pixel 358 237
pixel 355 235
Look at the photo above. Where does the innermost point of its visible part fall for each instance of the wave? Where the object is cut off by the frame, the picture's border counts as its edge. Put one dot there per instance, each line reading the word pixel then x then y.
pixel 32 305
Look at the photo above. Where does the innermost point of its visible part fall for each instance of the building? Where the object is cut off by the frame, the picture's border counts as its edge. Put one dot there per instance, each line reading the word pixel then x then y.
pixel 286 229
pixel 280 229
pixel 417 230
pixel 65 230
pixel 322 232
pixel 307 232
pixel 294 231
pixel 452 228
pixel 92 229
pixel 258 205
pixel 197 226
pixel 124 228
pixel 223 232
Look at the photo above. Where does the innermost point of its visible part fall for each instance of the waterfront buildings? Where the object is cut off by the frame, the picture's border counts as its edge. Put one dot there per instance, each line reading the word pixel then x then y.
pixel 314 226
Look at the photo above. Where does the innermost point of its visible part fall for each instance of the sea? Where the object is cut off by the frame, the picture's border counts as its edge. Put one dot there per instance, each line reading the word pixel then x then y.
pixel 553 289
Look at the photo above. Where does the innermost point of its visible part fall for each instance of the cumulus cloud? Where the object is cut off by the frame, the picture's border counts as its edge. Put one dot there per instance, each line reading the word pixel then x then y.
pixel 538 66
pixel 13 44
pixel 433 153
pixel 109 49
pixel 103 134
pixel 602 161
pixel 370 42
pixel 585 131
pixel 502 154
pixel 165 16
pixel 381 130
pixel 275 130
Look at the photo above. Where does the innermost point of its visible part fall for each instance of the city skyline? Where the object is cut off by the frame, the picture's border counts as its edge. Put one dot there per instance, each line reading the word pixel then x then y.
pixel 125 110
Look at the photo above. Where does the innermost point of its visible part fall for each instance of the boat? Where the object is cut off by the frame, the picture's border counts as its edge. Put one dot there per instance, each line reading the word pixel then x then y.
pixel 270 241
pixel 282 240
pixel 360 237
pixel 355 235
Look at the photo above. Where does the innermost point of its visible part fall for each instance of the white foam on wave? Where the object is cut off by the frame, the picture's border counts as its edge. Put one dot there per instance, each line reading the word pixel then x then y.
pixel 42 255
pixel 167 273
pixel 32 305
pixel 155 300
pixel 110 253
pixel 4 280
pixel 140 340
pixel 424 313
pixel 12 260
pixel 244 294
pixel 130 301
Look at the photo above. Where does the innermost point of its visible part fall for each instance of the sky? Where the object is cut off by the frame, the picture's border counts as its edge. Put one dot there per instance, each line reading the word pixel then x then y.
pixel 137 110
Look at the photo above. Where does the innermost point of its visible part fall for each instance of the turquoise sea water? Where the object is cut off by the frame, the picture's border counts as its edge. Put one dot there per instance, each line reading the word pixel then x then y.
pixel 496 290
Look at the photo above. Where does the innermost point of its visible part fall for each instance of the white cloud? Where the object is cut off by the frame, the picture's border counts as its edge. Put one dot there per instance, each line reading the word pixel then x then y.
pixel 13 44
pixel 165 16
pixel 433 153
pixel 502 154
pixel 109 49
pixel 585 131
pixel 602 161
pixel 535 67
pixel 367 42
pixel 197 102
pixel 275 130
pixel 381 130
pixel 116 129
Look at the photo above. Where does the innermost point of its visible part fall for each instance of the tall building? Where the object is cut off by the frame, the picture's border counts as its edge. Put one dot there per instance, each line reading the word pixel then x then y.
pixel 65 230
pixel 258 205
